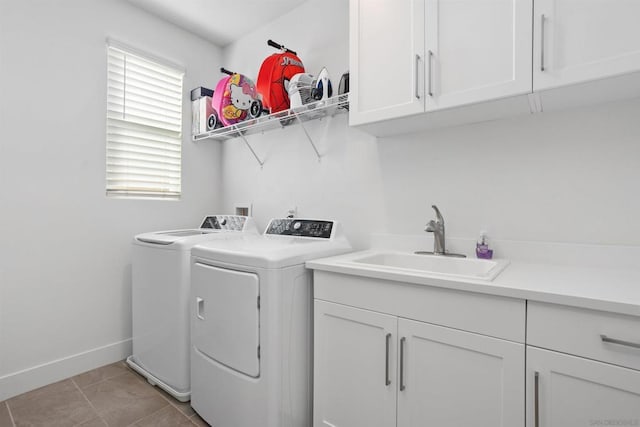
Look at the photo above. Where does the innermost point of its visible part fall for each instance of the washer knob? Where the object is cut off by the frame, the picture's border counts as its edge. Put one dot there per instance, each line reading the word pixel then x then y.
pixel 297 225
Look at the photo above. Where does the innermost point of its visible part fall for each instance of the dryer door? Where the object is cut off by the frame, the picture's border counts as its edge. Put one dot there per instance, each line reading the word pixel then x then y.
pixel 226 317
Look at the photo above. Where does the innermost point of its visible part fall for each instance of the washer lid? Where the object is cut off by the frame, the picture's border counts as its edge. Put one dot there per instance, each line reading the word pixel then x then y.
pixel 213 227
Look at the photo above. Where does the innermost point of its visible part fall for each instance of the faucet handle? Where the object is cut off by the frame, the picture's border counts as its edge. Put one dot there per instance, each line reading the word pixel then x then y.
pixel 430 227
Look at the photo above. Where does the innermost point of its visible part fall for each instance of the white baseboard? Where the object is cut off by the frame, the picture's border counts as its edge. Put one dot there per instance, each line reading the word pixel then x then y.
pixel 31 378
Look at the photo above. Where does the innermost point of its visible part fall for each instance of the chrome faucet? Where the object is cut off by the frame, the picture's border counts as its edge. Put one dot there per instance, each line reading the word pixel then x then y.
pixel 437 228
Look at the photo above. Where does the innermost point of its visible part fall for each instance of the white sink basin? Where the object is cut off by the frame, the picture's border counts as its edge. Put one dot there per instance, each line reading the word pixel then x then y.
pixel 470 268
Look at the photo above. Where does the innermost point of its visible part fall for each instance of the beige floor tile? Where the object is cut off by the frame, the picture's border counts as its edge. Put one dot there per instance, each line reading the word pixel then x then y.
pixel 124 399
pixel 57 405
pixel 166 417
pixel 5 418
pixel 96 422
pixel 197 420
pixel 184 407
pixel 100 374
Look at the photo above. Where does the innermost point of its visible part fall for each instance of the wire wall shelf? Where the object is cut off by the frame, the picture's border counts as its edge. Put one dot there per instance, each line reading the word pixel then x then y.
pixel 299 115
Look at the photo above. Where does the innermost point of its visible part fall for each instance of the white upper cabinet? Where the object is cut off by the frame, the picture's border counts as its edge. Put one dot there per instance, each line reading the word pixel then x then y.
pixel 471 60
pixel 386 59
pixel 581 40
pixel 412 56
pixel 477 50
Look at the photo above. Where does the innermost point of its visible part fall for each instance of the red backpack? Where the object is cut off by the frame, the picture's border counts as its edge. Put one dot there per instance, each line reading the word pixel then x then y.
pixel 273 79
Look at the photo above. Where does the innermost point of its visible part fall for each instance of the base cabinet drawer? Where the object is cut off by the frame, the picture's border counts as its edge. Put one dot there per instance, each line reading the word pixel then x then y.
pixel 569 391
pixel 607 337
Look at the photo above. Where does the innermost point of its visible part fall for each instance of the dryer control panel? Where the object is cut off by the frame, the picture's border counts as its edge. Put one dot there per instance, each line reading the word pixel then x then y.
pixel 300 227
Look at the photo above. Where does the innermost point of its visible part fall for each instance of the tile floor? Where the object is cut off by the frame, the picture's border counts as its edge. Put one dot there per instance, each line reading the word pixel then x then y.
pixel 110 396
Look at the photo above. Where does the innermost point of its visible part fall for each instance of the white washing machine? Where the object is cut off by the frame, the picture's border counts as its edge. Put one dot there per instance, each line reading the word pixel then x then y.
pixel 160 293
pixel 251 329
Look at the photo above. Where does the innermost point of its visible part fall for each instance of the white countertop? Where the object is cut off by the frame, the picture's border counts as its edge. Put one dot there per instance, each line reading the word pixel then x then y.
pixel 599 288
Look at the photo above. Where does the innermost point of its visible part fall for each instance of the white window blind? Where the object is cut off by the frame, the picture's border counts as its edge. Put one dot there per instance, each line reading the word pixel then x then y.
pixel 144 126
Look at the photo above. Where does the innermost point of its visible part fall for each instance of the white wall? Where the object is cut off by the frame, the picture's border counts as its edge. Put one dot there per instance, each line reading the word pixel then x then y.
pixel 65 259
pixel 345 184
pixel 563 177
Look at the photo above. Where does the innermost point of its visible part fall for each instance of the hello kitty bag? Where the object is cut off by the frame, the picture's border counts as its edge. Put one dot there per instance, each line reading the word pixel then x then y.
pixel 235 99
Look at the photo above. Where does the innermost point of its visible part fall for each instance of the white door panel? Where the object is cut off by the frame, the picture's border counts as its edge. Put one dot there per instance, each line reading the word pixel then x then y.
pixel 577 392
pixel 456 378
pixel 582 40
pixel 386 59
pixel 354 370
pixel 478 49
pixel 226 318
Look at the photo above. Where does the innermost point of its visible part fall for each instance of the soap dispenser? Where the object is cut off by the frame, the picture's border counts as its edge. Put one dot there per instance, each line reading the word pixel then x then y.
pixel 482 247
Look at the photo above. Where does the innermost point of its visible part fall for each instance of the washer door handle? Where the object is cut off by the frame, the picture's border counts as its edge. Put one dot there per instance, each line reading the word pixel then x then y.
pixel 199 308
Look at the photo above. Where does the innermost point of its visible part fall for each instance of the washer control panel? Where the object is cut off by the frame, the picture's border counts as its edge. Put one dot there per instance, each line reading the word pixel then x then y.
pixel 224 222
pixel 300 227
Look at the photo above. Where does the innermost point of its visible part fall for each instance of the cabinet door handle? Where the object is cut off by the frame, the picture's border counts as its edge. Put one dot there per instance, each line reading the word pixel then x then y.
pixel 387 380
pixel 402 385
pixel 199 308
pixel 417 82
pixel 430 59
pixel 542 19
pixel 536 402
pixel 606 339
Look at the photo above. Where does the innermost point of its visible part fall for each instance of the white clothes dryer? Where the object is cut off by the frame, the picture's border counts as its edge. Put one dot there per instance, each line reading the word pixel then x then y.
pixel 251 330
pixel 160 292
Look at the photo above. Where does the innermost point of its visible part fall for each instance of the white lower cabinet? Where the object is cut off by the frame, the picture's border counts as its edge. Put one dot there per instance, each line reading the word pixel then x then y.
pixel 583 367
pixel 354 352
pixel 570 391
pixel 455 378
pixel 374 369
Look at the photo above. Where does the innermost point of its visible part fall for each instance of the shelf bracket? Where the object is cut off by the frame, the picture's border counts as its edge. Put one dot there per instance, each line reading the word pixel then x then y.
pixel 244 138
pixel 304 129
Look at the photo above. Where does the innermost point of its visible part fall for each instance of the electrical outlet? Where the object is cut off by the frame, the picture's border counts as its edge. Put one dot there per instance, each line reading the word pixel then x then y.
pixel 244 209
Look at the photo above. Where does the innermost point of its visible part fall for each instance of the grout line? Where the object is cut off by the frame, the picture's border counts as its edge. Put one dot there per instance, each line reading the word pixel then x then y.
pixel 193 417
pixel 169 400
pixel 89 402
pixel 13 422
pixel 147 416
pixel 158 391
pixel 103 379
pixel 106 378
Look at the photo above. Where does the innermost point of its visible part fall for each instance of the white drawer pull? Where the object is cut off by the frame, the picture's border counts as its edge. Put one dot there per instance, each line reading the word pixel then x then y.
pixel 606 339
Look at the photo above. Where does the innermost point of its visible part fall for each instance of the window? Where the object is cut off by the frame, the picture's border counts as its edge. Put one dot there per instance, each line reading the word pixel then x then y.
pixel 144 125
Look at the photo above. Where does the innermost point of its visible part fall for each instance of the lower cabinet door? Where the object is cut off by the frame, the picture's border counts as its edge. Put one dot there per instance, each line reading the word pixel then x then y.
pixel 451 378
pixel 354 367
pixel 570 391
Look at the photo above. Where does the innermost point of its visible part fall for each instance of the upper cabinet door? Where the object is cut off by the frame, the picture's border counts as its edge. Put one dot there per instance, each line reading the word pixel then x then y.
pixel 581 40
pixel 477 50
pixel 386 59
